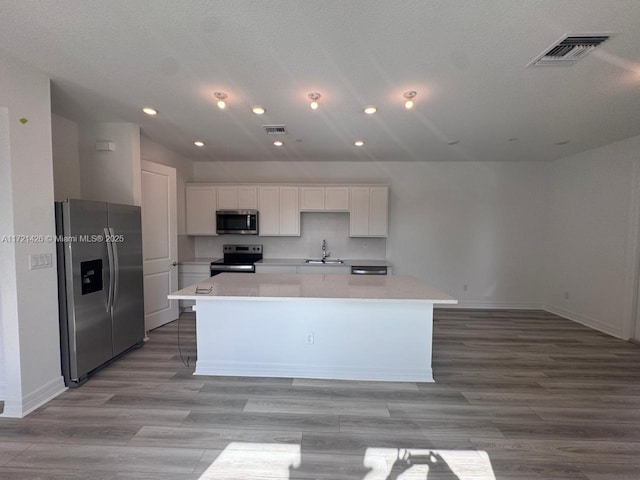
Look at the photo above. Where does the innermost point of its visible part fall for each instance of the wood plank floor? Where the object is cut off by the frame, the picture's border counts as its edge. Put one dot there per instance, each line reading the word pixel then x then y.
pixel 518 395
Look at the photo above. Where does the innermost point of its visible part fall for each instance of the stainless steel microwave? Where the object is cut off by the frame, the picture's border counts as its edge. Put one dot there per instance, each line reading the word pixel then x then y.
pixel 237 222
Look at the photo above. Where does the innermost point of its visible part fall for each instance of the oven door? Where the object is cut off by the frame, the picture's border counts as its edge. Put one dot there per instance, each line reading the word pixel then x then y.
pixel 237 222
pixel 217 269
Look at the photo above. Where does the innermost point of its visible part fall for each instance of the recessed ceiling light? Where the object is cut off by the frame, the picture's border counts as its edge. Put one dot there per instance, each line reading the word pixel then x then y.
pixel 358 143
pixel 370 109
pixel 150 111
pixel 563 142
pixel 258 110
pixel 278 143
pixel 221 97
pixel 198 143
pixel 453 142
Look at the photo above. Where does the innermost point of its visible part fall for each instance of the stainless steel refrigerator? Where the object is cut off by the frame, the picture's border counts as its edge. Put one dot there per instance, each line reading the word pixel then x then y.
pixel 100 291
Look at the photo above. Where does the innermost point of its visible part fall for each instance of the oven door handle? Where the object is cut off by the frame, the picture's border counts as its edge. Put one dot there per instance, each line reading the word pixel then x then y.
pixel 232 268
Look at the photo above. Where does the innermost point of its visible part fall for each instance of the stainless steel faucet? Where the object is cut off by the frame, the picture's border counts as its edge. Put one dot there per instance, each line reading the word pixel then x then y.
pixel 325 254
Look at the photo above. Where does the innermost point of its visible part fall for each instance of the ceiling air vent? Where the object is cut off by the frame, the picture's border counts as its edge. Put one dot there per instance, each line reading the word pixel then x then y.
pixel 275 129
pixel 568 50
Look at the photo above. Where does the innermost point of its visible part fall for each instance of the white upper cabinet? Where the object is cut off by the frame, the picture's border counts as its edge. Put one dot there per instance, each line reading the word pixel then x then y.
pixel 312 199
pixel 279 206
pixel 279 211
pixel 269 211
pixel 227 197
pixel 336 199
pixel 200 210
pixel 369 212
pixel 232 197
pixel 247 198
pixel 289 211
pixel 324 199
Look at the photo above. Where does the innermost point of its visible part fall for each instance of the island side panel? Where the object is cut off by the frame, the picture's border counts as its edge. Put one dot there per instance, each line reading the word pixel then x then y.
pixel 387 341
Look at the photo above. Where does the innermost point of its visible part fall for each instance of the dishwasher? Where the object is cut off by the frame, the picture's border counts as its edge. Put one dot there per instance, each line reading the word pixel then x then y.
pixel 368 270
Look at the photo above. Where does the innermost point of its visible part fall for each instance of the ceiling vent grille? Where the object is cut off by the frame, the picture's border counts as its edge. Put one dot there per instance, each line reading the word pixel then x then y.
pixel 568 50
pixel 275 129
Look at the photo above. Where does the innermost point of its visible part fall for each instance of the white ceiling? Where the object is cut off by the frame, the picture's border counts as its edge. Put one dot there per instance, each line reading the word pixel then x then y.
pixel 467 60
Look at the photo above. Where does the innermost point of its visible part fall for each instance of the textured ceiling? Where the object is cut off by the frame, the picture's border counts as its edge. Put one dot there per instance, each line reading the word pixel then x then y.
pixel 467 60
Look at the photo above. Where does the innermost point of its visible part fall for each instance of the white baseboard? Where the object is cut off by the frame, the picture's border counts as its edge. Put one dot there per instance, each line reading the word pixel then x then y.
pixel 492 305
pixel 569 315
pixel 313 371
pixel 586 321
pixel 21 407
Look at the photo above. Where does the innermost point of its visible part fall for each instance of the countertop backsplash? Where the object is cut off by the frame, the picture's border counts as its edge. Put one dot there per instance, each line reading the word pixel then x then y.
pixel 314 227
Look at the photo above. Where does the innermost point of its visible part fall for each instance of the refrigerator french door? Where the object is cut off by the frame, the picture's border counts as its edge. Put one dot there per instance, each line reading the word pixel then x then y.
pixel 100 284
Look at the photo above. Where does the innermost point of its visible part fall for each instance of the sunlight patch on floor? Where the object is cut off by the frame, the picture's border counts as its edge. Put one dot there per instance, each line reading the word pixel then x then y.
pixel 254 461
pixel 421 464
pixel 260 461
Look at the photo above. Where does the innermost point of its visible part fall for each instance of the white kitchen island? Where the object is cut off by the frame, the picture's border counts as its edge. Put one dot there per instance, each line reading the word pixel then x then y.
pixel 350 327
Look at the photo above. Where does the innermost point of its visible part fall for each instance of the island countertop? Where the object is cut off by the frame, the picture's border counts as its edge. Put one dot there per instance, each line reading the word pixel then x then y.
pixel 267 286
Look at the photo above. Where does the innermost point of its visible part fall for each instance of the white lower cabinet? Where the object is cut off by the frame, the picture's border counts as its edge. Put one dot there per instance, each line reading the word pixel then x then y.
pixel 275 268
pixel 333 269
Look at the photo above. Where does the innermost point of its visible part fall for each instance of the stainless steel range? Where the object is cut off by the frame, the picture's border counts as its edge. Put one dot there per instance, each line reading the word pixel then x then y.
pixel 237 258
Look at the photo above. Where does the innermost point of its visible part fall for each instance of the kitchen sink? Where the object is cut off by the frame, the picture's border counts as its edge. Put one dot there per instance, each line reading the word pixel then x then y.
pixel 326 261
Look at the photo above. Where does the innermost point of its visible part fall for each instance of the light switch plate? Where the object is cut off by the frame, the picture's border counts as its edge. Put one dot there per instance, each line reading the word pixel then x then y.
pixel 40 260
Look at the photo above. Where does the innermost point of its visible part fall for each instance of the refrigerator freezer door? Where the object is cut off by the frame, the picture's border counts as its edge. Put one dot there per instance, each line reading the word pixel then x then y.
pixel 128 307
pixel 88 326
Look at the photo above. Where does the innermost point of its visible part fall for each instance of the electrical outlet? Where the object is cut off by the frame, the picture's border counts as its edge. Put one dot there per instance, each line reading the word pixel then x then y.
pixel 364 245
pixel 566 295
pixel 465 287
pixel 309 338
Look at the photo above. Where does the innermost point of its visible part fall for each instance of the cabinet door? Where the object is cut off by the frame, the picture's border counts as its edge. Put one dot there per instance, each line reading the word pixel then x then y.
pixel 378 211
pixel 247 198
pixel 289 211
pixel 201 210
pixel 275 268
pixel 227 197
pixel 359 216
pixel 269 211
pixel 336 199
pixel 312 199
pixel 332 269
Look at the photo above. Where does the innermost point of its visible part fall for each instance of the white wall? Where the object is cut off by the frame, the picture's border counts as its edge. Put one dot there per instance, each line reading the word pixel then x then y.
pixel 152 152
pixel 591 256
pixel 8 305
pixel 66 158
pixel 451 224
pixel 30 335
pixel 110 176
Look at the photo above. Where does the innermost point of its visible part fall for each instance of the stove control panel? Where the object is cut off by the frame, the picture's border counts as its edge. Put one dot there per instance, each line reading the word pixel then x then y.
pixel 242 248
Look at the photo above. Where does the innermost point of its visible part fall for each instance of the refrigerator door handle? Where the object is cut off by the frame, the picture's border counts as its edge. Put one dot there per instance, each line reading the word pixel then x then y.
pixel 116 267
pixel 111 268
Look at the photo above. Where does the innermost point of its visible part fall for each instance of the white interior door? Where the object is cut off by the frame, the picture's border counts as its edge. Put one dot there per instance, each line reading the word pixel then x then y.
pixel 159 243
